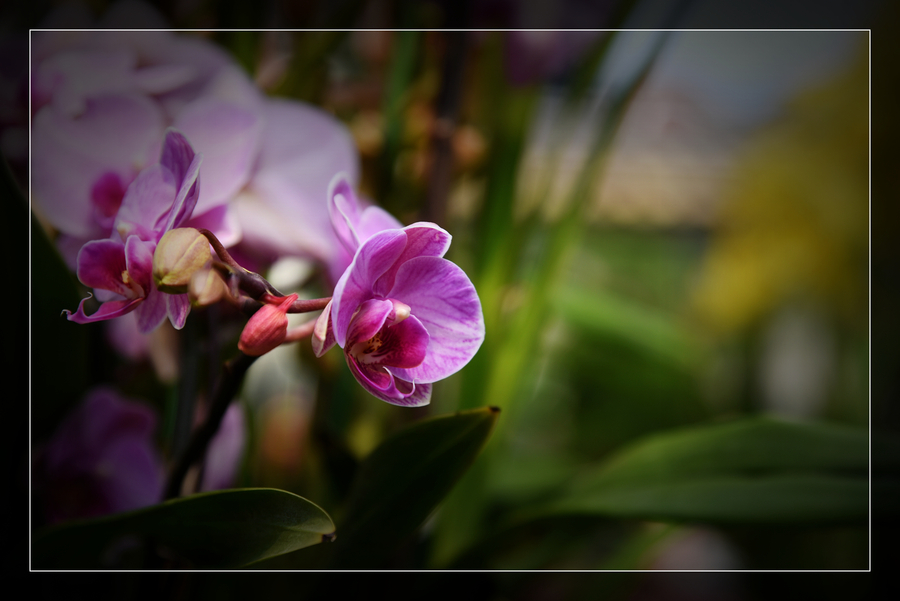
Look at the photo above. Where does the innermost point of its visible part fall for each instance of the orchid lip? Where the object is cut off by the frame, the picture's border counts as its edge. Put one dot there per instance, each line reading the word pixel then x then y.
pixel 385 333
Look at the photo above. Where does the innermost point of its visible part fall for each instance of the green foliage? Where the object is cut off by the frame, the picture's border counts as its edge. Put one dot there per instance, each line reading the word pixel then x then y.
pixel 400 483
pixel 754 470
pixel 224 529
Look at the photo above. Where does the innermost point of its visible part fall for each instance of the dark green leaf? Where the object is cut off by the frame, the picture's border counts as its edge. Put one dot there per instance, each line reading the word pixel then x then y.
pixel 222 529
pixel 404 479
pixel 755 470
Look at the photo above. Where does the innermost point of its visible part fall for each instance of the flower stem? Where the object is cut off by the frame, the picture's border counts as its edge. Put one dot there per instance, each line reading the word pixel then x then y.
pixel 254 285
pixel 230 381
pixel 304 330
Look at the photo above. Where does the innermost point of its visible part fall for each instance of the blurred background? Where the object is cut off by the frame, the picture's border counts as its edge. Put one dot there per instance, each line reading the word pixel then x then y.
pixel 666 229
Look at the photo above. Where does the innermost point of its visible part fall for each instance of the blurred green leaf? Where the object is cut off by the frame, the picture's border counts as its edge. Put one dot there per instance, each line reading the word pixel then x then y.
pixel 401 482
pixel 754 470
pixel 220 529
pixel 611 315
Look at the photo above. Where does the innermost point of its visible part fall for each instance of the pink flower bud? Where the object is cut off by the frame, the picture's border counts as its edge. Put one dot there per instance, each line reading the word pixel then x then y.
pixel 267 328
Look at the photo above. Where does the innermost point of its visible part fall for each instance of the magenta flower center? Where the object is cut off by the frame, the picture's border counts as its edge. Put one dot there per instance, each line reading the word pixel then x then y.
pixel 384 333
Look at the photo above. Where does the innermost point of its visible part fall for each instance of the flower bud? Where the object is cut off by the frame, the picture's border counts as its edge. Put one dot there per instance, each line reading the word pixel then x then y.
pixel 180 253
pixel 267 328
pixel 206 288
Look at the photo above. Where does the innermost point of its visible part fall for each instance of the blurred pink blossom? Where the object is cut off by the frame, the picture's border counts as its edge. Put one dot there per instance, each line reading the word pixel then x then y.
pixel 102 101
pixel 119 268
pixel 100 460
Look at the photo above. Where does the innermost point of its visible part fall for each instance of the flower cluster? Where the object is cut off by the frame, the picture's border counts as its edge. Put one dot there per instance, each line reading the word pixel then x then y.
pixel 120 268
pixel 102 101
pixel 138 231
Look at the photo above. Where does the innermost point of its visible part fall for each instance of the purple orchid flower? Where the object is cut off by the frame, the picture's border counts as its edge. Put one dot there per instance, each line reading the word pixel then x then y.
pixel 101 460
pixel 405 316
pixel 119 269
pixel 280 211
pixel 102 100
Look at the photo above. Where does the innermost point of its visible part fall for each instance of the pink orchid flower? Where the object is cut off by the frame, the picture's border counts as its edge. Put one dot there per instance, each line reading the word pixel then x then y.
pixel 102 100
pixel 101 459
pixel 119 269
pixel 405 316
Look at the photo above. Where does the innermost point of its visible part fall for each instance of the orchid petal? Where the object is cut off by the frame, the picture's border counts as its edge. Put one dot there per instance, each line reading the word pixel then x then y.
pixel 105 448
pixel 147 202
pixel 132 475
pixel 152 312
pixel 368 320
pixel 283 210
pixel 101 264
pixel 177 308
pixel 373 259
pixel 223 459
pixel 422 240
pixel 351 225
pixel 139 259
pixel 403 345
pixel 441 296
pixel 107 310
pixel 221 221
pixel 177 155
pixel 414 395
pixel 186 199
pixel 157 79
pixel 375 219
pixel 373 378
pixel 69 247
pixel 228 137
pixel 122 334
pixel 381 384
pixel 115 134
pixel 343 209
pixel 323 334
pixel 72 77
pixel 107 194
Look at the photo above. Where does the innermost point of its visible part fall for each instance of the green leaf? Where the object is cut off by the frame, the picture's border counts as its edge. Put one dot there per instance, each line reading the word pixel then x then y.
pixel 608 314
pixel 221 529
pixel 754 470
pixel 401 482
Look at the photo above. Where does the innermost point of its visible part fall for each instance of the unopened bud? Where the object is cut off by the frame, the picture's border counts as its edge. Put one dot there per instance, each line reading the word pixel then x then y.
pixel 179 255
pixel 267 328
pixel 206 288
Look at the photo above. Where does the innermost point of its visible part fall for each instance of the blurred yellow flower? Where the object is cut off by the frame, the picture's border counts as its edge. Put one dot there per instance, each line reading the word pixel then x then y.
pixel 795 223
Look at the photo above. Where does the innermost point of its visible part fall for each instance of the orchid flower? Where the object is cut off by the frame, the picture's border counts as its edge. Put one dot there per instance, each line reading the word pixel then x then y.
pixel 405 316
pixel 101 459
pixel 120 268
pixel 102 100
